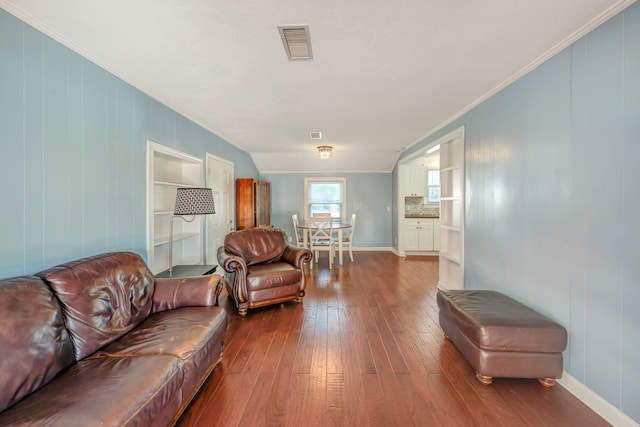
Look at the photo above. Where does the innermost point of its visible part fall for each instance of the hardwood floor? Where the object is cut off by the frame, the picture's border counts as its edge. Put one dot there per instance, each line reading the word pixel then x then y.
pixel 364 349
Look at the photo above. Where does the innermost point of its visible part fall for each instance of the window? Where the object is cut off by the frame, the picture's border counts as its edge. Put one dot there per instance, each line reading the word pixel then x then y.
pixel 433 186
pixel 325 195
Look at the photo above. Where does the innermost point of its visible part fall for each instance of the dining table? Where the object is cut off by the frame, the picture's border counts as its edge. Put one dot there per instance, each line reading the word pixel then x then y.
pixel 338 226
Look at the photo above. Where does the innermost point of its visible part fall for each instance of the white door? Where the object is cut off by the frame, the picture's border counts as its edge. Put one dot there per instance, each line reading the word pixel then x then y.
pixel 220 180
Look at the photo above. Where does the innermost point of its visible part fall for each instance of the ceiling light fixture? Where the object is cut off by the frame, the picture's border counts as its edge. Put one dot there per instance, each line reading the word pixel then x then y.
pixel 433 149
pixel 325 152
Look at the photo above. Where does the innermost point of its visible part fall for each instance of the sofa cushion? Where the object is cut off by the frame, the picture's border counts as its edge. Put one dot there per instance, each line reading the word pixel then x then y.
pixel 105 391
pixel 103 297
pixel 35 344
pixel 256 245
pixel 193 334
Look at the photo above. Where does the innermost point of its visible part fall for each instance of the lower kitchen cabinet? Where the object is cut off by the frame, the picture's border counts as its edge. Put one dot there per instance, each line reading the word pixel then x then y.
pixel 419 235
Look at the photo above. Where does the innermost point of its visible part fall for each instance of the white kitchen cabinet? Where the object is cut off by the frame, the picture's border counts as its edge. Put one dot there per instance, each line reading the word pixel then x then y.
pixel 410 237
pixel 413 181
pixel 418 235
pixel 418 181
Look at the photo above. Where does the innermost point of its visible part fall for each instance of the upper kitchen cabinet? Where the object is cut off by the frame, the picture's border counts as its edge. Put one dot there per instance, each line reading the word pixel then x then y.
pixel 414 181
pixel 252 203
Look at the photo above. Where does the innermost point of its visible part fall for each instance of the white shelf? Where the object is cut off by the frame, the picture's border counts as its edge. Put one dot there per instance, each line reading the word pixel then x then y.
pixel 175 184
pixel 163 240
pixel 449 169
pixel 167 170
pixel 450 257
pixel 451 271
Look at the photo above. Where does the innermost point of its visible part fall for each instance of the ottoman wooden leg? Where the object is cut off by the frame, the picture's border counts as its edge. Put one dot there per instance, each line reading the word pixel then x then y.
pixel 484 379
pixel 547 382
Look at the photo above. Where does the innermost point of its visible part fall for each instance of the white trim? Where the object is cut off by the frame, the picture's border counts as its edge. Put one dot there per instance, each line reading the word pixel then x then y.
pixel 333 172
pixel 568 41
pixel 594 401
pixel 373 249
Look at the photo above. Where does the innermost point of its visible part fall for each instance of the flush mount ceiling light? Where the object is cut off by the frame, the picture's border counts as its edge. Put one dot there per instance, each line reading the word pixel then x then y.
pixel 325 152
pixel 296 41
pixel 433 149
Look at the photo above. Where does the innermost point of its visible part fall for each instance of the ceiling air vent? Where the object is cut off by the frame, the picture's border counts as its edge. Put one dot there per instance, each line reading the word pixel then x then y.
pixel 296 41
pixel 315 135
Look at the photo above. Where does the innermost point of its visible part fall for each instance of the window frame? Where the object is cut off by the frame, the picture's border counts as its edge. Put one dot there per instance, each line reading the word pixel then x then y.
pixel 311 180
pixel 430 186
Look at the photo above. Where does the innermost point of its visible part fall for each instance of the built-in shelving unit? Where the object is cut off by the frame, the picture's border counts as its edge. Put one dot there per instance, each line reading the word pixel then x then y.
pixel 451 274
pixel 168 169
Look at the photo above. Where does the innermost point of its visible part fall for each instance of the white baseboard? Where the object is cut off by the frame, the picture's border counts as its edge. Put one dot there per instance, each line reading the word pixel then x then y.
pixel 590 398
pixel 373 249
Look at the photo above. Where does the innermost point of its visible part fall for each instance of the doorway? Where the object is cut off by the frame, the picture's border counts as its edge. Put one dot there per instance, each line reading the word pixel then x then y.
pixel 450 224
pixel 220 178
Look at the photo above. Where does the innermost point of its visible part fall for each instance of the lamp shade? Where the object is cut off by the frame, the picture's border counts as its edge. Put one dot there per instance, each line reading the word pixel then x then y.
pixel 194 201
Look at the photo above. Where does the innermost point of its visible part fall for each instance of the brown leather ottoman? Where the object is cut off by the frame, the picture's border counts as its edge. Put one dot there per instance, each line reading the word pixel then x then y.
pixel 501 337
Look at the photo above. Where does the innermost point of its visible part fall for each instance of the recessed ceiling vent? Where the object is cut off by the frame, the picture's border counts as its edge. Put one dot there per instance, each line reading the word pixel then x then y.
pixel 315 135
pixel 297 42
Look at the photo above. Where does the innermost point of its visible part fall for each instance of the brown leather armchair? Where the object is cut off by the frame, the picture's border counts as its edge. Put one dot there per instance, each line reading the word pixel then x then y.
pixel 261 268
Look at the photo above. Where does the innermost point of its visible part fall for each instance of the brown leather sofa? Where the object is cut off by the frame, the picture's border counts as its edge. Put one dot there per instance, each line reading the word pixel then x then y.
pixel 261 268
pixel 100 341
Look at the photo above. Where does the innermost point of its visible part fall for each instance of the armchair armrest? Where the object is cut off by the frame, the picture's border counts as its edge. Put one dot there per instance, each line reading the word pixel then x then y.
pixel 296 256
pixel 176 292
pixel 236 273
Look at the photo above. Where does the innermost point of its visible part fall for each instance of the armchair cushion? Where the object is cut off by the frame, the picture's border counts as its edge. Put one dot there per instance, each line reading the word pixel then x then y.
pixel 267 276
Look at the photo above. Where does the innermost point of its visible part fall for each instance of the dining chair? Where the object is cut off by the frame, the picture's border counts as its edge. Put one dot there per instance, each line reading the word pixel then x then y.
pixel 320 239
pixel 347 237
pixel 321 215
pixel 298 231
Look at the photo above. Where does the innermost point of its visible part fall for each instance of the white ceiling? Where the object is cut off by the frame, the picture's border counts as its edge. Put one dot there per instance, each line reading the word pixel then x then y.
pixel 384 74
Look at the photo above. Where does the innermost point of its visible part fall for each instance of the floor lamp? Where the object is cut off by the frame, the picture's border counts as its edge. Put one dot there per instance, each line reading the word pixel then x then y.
pixel 190 202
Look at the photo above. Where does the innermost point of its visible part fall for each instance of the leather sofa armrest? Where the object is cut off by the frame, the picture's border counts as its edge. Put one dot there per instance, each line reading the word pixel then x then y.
pixel 176 292
pixel 296 256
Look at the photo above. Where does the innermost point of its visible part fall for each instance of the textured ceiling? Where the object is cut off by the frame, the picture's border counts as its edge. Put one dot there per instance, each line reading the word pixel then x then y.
pixel 384 73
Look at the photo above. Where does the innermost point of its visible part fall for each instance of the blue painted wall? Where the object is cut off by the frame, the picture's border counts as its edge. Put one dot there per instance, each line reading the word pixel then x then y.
pixel 552 181
pixel 368 196
pixel 72 141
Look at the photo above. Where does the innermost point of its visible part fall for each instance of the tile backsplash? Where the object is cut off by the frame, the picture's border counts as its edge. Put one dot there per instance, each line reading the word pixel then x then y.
pixel 414 206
